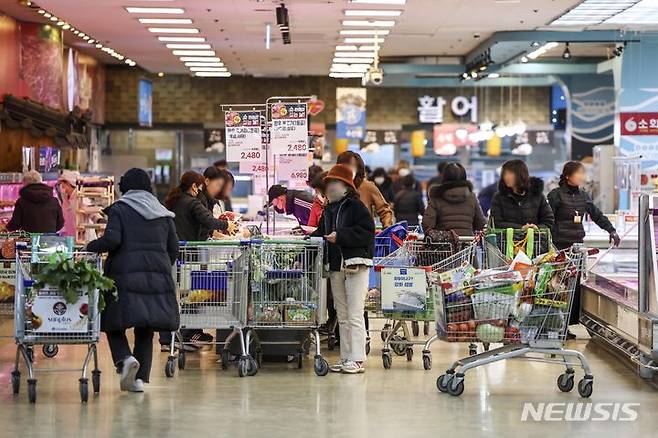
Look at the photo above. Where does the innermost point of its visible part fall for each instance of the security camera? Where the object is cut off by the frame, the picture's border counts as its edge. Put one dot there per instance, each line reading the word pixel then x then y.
pixel 376 76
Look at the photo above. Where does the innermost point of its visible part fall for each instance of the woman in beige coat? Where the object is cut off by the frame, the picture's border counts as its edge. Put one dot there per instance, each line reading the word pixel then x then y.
pixel 369 194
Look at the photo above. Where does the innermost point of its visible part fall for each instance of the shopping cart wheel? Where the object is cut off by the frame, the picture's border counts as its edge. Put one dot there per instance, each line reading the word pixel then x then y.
pixel 386 360
pixel 32 390
pixel 410 354
pixel 443 381
pixel 243 367
pixel 15 381
pixel 170 367
pixel 427 362
pixel 398 345
pixel 321 366
pixel 586 386
pixel 367 348
pixel 253 366
pixel 456 387
pixel 96 381
pixel 225 359
pixel 415 328
pixel 426 328
pixel 50 350
pixel 84 390
pixel 181 359
pixel 565 382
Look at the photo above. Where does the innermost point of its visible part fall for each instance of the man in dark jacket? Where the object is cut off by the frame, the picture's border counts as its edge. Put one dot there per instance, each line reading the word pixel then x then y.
pixel 295 202
pixel 36 210
pixel 141 242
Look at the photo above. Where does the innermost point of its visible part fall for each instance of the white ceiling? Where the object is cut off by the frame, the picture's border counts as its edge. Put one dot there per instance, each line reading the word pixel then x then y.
pixel 236 29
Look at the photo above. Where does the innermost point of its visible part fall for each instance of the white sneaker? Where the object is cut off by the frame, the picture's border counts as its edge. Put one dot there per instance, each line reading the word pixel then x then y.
pixel 354 368
pixel 128 372
pixel 138 386
pixel 337 368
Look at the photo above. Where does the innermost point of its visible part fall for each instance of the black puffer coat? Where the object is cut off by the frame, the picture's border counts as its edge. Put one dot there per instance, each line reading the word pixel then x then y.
pixel 141 254
pixel 193 219
pixel 568 202
pixel 36 211
pixel 355 231
pixel 453 207
pixel 509 210
pixel 408 205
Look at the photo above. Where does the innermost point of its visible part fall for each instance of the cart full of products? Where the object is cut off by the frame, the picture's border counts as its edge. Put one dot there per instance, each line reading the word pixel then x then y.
pixel 522 302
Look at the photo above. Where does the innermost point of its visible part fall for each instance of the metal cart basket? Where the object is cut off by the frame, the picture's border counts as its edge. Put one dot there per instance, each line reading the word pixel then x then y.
pixel 288 294
pixel 407 295
pixel 212 283
pixel 43 317
pixel 482 299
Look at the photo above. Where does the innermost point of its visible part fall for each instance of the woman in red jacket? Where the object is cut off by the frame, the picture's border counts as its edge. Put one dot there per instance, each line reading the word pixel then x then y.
pixel 318 186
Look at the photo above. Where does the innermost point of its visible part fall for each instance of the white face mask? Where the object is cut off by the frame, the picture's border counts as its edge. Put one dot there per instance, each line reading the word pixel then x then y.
pixel 404 172
pixel 335 191
pixel 379 180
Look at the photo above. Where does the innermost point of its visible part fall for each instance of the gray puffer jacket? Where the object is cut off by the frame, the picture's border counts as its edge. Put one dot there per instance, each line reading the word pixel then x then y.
pixel 453 206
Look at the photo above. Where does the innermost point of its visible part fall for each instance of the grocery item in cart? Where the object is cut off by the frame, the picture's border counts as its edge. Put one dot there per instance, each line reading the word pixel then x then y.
pixel 456 279
pixel 299 313
pixel 268 314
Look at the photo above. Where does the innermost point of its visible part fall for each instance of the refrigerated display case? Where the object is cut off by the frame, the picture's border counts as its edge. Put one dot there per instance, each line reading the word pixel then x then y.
pixel 619 294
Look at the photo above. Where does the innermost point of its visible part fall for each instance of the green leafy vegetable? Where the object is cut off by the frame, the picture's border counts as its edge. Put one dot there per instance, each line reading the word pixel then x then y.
pixel 70 277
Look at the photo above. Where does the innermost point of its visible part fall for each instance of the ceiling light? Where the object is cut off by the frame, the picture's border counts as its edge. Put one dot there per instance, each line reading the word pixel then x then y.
pixel 524 59
pixel 53 18
pixel 364 32
pixel 372 13
pixel 567 52
pixel 134 10
pixel 66 26
pixel 355 54
pixel 82 35
pixel 380 2
pixel 493 75
pixel 188 46
pixel 268 36
pixel 161 74
pixel 357 40
pixel 369 23
pixel 591 12
pixel 60 23
pixel 182 39
pixel 345 75
pixel 346 48
pixel 47 15
pixel 354 60
pixel 173 30
pixel 204 64
pixel 199 59
pixel 208 69
pixel 535 44
pixel 165 21
pixel 349 68
pixel 213 74
pixel 99 46
pixel 543 49
pixel 41 11
pixel 194 52
pixel 85 37
pixel 91 41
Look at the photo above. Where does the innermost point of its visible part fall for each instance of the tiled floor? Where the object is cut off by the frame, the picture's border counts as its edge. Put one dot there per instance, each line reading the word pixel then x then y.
pixel 282 401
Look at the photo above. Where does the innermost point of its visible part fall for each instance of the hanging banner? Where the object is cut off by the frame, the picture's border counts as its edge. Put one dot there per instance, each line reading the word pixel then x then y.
pixel 639 123
pixel 350 113
pixel 289 131
pixel 243 136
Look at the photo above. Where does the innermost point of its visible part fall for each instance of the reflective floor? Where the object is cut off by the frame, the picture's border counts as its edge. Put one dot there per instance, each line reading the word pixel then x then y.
pixel 282 401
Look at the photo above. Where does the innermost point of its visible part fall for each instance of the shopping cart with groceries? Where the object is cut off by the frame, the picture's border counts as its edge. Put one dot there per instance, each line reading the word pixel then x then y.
pixel 8 241
pixel 288 300
pixel 45 315
pixel 407 295
pixel 212 280
pixel 494 292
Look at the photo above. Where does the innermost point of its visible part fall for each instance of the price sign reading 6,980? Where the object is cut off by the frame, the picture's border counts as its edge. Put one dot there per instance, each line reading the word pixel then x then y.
pixel 289 131
pixel 243 136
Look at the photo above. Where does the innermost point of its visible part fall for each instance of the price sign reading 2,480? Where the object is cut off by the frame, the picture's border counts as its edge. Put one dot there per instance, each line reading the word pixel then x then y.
pixel 243 136
pixel 289 131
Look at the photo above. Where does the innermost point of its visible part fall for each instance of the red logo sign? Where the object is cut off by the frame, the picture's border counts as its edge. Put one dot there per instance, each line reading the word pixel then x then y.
pixel 639 123
pixel 315 106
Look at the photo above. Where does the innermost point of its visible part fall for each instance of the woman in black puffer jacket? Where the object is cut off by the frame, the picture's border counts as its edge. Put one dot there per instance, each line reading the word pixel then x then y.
pixel 520 201
pixel 141 240
pixel 570 203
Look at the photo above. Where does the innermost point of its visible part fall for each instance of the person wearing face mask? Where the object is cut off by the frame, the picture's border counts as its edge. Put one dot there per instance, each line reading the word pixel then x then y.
pixel 349 231
pixel 213 186
pixel 383 183
pixel 294 202
pixel 318 186
pixel 368 192
pixel 403 171
pixel 570 204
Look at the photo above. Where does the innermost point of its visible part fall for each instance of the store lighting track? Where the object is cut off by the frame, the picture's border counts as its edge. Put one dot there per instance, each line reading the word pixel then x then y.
pixel 194 53
pixel 592 12
pixel 213 74
pixel 199 59
pixel 204 64
pixel 154 10
pixel 372 13
pixel 179 39
pixel 165 20
pixel 188 46
pixel 173 30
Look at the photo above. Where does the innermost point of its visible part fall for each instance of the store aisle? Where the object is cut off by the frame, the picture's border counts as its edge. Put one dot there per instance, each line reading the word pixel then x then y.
pixel 283 402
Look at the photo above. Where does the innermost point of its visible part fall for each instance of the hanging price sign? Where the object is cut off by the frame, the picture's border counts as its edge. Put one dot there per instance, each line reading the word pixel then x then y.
pixel 243 136
pixel 289 131
pixel 292 167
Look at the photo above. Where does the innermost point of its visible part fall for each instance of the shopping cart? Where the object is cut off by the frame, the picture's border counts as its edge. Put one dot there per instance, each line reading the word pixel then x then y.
pixel 288 295
pixel 44 317
pixel 212 283
pixel 407 295
pixel 8 243
pixel 527 309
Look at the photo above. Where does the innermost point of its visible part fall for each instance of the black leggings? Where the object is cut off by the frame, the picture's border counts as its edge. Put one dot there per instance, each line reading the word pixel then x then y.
pixel 143 350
